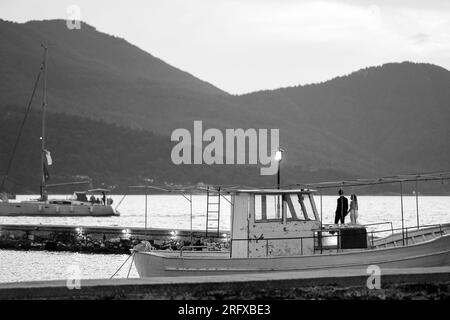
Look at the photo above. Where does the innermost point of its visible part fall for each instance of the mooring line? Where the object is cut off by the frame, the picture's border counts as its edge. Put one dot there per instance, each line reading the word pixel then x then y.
pixel 131 264
pixel 120 202
pixel 131 255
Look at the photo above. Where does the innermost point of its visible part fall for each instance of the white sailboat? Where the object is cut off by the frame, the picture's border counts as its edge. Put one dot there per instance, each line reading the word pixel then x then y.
pixel 77 205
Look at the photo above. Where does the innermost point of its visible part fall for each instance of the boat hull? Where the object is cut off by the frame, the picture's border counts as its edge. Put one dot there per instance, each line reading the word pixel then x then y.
pixel 53 210
pixel 433 253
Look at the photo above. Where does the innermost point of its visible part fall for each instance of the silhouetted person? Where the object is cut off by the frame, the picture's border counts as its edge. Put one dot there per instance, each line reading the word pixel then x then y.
pixel 341 208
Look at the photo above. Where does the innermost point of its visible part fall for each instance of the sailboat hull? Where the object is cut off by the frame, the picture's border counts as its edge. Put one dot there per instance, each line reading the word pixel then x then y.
pixel 431 253
pixel 53 210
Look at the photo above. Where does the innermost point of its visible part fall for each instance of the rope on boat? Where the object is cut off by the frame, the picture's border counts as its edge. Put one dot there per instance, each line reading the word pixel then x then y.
pixel 22 125
pixel 121 201
pixel 131 264
pixel 130 256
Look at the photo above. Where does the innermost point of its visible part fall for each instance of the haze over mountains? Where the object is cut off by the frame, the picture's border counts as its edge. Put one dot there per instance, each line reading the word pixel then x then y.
pixel 377 121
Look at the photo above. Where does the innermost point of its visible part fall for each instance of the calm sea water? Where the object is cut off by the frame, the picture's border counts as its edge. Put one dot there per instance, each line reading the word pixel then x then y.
pixel 173 211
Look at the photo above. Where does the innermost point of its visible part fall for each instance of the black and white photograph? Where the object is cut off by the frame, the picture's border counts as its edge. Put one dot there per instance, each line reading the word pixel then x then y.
pixel 242 152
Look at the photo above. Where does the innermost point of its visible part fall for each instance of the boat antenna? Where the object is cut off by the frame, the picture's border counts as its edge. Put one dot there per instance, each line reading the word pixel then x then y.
pixel 44 106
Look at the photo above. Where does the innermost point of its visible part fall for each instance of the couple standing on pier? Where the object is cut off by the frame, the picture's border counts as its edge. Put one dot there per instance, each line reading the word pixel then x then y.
pixel 342 208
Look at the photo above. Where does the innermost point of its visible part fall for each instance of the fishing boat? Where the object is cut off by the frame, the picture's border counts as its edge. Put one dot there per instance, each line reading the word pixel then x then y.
pixel 77 205
pixel 274 230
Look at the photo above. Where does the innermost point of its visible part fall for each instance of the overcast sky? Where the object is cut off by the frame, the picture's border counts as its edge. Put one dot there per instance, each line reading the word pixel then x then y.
pixel 243 46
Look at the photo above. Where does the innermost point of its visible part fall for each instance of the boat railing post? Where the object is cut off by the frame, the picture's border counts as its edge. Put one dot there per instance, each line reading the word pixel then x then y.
pixel 372 238
pixel 146 207
pixel 320 239
pixel 406 230
pixel 321 215
pixel 314 242
pixel 301 245
pixel 338 240
pixel 417 204
pixel 190 216
pixel 267 247
pixel 401 208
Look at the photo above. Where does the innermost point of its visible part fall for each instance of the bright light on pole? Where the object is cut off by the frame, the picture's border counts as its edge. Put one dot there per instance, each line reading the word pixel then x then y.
pixel 279 157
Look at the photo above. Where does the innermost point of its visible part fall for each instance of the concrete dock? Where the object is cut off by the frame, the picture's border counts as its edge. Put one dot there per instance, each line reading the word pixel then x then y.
pixel 98 239
pixel 423 283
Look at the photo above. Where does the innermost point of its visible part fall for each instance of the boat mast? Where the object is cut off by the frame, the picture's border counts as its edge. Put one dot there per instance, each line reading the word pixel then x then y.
pixel 44 105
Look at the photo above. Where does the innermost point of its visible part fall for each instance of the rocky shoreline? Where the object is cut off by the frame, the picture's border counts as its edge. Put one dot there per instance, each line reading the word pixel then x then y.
pixel 98 240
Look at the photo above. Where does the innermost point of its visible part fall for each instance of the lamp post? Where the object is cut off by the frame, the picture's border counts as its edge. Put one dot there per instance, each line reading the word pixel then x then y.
pixel 279 157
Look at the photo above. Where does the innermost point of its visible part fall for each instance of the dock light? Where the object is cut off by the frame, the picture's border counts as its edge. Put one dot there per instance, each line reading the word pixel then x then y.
pixel 126 233
pixel 79 230
pixel 279 155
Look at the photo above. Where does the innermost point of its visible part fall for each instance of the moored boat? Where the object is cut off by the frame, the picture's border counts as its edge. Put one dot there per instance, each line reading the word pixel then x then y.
pixel 276 230
pixel 78 205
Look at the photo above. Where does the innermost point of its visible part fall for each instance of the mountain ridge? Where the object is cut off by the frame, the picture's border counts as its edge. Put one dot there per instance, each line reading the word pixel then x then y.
pixel 362 71
pixel 376 121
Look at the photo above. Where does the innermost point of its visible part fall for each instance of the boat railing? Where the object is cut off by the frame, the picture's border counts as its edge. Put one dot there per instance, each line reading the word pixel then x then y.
pixel 198 248
pixel 318 243
pixel 406 233
pixel 381 223
pixel 318 247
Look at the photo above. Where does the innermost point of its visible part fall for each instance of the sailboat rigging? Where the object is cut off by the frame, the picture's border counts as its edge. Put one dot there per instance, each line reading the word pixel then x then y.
pixel 78 204
pixel 44 173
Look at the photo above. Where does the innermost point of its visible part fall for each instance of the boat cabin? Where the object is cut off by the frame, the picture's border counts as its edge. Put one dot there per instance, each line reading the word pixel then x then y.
pixel 274 222
pixel 80 196
pixel 88 197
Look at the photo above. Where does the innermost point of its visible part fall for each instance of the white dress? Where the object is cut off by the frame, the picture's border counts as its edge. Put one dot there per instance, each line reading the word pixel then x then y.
pixel 353 213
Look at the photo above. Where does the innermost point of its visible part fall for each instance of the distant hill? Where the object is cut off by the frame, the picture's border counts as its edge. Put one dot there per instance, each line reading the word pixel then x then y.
pixel 99 76
pixel 377 121
pixel 117 157
pixel 397 114
pixel 109 155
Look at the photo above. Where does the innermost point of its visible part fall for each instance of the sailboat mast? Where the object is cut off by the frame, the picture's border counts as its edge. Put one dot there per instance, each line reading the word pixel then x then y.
pixel 44 106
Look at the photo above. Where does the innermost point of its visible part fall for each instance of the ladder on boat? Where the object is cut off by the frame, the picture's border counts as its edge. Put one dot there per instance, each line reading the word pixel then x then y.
pixel 212 212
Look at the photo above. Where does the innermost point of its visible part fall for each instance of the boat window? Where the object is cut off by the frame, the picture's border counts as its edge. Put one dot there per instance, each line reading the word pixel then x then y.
pixel 60 202
pixel 298 207
pixel 294 210
pixel 81 197
pixel 304 201
pixel 268 207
